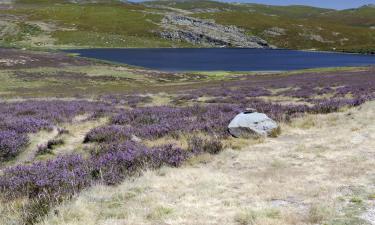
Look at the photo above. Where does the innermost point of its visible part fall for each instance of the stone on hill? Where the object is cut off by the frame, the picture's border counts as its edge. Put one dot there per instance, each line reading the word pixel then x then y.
pixel 252 124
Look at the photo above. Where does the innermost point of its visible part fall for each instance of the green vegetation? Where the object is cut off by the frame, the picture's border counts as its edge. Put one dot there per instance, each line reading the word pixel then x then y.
pixel 72 81
pixel 110 23
pixel 294 27
pixel 91 25
pixel 294 33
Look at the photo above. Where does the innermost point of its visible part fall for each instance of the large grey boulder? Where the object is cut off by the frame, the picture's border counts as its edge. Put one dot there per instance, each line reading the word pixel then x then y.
pixel 253 124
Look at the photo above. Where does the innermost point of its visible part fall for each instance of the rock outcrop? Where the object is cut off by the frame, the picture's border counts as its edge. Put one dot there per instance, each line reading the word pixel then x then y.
pixel 253 124
pixel 207 33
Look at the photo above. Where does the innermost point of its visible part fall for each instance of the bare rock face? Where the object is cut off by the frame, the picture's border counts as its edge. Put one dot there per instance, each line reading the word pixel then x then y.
pixel 207 33
pixel 252 124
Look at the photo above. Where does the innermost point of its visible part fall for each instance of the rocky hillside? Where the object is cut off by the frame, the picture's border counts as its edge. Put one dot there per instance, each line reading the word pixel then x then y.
pixel 190 23
pixel 207 33
pixel 295 27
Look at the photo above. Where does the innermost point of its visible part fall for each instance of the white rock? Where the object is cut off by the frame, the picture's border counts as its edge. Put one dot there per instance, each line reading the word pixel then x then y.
pixel 252 125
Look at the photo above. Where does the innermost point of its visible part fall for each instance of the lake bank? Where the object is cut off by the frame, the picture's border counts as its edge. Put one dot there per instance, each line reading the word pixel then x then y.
pixel 234 59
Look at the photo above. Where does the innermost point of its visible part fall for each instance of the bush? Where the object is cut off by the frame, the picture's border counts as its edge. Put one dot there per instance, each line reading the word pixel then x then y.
pixel 55 178
pixel 112 133
pixel 11 144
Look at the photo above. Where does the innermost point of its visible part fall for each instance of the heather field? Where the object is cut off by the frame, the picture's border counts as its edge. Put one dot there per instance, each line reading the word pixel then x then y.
pixel 89 142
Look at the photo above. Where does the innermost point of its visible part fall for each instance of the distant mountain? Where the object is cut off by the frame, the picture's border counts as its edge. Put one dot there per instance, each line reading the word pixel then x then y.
pixel 111 23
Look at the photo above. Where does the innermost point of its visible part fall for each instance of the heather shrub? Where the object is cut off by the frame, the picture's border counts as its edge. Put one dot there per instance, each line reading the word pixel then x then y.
pixel 166 155
pixel 62 176
pixel 117 162
pixel 66 175
pixel 50 111
pixel 25 124
pixel 11 144
pixel 157 122
pixel 109 133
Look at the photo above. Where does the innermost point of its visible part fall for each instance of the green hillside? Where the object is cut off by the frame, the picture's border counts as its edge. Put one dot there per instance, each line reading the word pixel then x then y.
pixel 62 24
pixel 297 27
pixel 110 23
pixel 297 33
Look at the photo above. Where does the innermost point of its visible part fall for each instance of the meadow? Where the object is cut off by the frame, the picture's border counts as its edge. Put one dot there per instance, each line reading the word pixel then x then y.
pixel 65 130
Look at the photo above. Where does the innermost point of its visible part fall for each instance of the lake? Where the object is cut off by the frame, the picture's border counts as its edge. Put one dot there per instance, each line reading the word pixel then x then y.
pixel 226 59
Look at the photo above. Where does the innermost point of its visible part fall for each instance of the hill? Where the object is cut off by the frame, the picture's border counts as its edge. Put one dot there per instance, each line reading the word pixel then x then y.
pixel 110 23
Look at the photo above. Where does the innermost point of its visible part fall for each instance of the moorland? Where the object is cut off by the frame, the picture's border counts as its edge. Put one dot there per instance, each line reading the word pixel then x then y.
pixel 84 141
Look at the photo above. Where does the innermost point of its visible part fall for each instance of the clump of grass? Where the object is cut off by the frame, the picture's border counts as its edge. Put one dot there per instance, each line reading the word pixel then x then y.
pixel 159 213
pixel 211 145
pixel 240 143
pixel 246 218
pixel 275 132
pixel 356 200
pixel 371 196
pixel 318 214
pixel 251 217
pixel 36 209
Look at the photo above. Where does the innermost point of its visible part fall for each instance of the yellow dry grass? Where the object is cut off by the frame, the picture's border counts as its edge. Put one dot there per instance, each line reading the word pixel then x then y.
pixel 319 171
pixel 73 141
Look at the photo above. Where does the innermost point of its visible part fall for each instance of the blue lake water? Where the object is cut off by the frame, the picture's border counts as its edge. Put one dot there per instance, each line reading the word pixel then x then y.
pixel 226 59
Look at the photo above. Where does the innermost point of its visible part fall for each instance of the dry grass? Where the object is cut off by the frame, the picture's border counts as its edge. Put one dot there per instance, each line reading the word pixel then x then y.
pixel 11 213
pixel 73 141
pixel 319 171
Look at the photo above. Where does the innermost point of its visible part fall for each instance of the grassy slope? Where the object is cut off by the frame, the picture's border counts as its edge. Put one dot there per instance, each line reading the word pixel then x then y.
pixel 347 29
pixel 299 34
pixel 92 25
pixel 113 24
pixel 363 16
pixel 306 27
